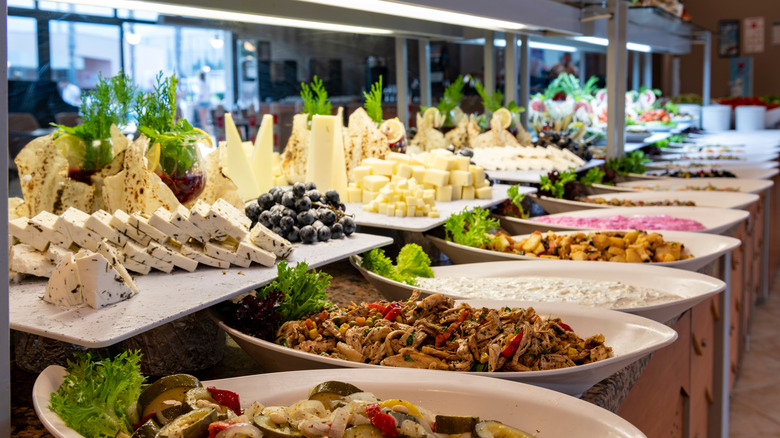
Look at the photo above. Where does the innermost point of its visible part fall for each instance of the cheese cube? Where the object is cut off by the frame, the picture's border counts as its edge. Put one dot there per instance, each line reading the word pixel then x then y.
pixel 360 172
pixel 389 210
pixel 404 171
pixel 457 192
pixel 280 180
pixel 45 225
pixel 484 192
pixel 419 213
pixel 426 209
pixel 411 210
pixel 373 183
pixel 444 193
pixel 399 157
pixel 461 178
pixel 418 172
pixel 400 212
pixel 441 151
pixel 433 214
pixel 429 196
pixel 483 183
pixel 478 173
pixel 354 194
pixel 378 166
pixel 468 193
pixel 462 162
pixel 443 162
pixel 369 196
pixel 436 177
pixel 397 178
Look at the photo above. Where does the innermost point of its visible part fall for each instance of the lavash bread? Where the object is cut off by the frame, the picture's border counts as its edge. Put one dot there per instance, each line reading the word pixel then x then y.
pixel 217 184
pixel 363 140
pixel 497 136
pixel 428 138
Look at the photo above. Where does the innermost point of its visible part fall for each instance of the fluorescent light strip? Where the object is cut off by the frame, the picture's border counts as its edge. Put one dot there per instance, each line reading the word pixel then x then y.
pixel 605 42
pixel 532 44
pixel 422 13
pixel 215 14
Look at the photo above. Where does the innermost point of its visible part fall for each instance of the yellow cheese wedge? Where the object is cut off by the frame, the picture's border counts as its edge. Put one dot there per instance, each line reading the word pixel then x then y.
pixel 326 164
pixel 236 166
pixel 262 159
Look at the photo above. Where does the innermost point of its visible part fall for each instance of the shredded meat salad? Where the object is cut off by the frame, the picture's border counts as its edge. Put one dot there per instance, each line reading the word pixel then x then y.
pixel 435 334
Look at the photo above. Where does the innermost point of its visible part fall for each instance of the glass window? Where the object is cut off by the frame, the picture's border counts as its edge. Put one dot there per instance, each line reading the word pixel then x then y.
pixel 29 4
pixel 78 9
pixel 22 48
pixel 82 51
pixel 138 15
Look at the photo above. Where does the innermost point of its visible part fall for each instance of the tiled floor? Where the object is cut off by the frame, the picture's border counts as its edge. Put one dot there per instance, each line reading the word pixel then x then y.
pixel 755 401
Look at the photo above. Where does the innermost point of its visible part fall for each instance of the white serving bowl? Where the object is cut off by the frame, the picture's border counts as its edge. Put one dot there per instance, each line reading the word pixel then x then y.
pixel 631 338
pixel 692 287
pixel 523 406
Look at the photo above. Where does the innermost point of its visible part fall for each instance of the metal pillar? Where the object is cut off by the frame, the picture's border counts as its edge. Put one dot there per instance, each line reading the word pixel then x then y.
pixel 424 52
pixel 525 78
pixel 647 70
pixel 635 73
pixel 616 78
pixel 401 79
pixel 706 83
pixel 583 65
pixel 675 76
pixel 510 69
pixel 5 339
pixel 488 69
pixel 722 351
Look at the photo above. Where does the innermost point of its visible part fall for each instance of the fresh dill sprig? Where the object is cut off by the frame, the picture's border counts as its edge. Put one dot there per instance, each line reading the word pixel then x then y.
pixel 374 101
pixel 491 102
pixel 451 97
pixel 318 105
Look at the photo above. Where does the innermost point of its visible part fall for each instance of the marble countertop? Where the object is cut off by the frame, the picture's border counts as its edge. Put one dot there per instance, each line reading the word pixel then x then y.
pixel 347 286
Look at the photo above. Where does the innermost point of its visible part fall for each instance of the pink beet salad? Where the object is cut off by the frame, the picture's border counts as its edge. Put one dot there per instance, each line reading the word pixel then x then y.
pixel 654 222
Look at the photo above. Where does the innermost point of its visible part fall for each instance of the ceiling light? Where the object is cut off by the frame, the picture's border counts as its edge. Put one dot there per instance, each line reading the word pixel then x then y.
pixel 216 14
pixel 132 38
pixel 248 46
pixel 422 13
pixel 548 46
pixel 217 42
pixel 638 47
pixel 592 40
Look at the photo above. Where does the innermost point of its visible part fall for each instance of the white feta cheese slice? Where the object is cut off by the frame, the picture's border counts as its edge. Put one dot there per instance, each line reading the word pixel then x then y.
pixel 101 284
pixel 100 222
pixel 227 217
pixel 114 258
pixel 72 224
pixel 270 241
pixel 25 259
pixel 140 222
pixel 20 229
pixel 139 254
pixel 193 251
pixel 248 250
pixel 227 253
pixel 120 220
pixel 55 253
pixel 181 218
pixel 44 222
pixel 167 254
pixel 132 265
pixel 200 217
pixel 162 219
pixel 64 287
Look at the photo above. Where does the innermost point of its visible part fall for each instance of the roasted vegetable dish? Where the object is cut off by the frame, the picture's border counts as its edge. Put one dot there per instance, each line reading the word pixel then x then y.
pixel 629 203
pixel 436 334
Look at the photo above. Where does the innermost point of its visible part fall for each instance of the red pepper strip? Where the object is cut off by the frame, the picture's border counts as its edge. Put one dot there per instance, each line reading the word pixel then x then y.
pixel 382 309
pixel 565 326
pixel 513 346
pixel 144 420
pixel 393 310
pixel 384 422
pixel 443 336
pixel 217 427
pixel 226 398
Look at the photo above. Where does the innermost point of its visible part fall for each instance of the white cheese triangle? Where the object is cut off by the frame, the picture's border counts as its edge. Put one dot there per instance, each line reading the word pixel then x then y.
pixel 326 165
pixel 262 156
pixel 64 287
pixel 237 166
pixel 101 284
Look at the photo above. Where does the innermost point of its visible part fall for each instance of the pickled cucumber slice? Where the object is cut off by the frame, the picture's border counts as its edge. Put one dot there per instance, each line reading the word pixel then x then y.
pixel 194 424
pixel 363 431
pixel 273 430
pixel 453 424
pixel 327 392
pixel 497 429
pixel 172 387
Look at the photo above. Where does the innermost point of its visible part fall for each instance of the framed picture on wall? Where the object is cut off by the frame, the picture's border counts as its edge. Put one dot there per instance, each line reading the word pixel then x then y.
pixel 728 38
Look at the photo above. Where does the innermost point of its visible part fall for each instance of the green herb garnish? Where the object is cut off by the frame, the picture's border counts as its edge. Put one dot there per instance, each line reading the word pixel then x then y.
pixel 318 105
pixel 109 104
pixel 491 102
pixel 569 85
pixel 594 176
pixel 95 397
pixel 557 188
pixel 450 99
pixel 412 262
pixel 304 292
pixel 157 120
pixel 633 162
pixel 374 101
pixel 517 200
pixel 470 228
